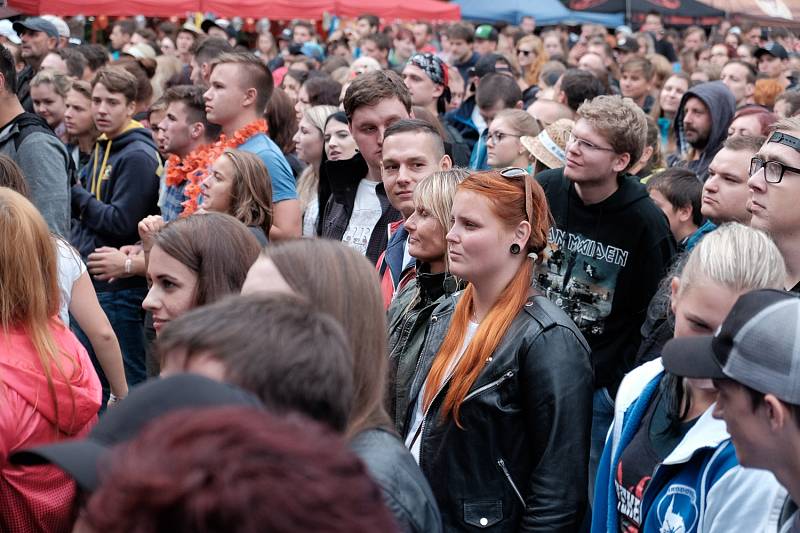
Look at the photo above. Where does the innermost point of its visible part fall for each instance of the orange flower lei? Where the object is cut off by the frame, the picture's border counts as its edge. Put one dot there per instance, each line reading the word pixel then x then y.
pixel 194 167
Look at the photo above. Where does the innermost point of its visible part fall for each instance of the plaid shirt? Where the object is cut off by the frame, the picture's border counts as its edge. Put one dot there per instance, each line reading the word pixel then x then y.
pixel 172 200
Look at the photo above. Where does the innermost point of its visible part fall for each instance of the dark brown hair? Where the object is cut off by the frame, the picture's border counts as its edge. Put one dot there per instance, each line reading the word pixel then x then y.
pixel 307 366
pixel 11 176
pixel 251 190
pixel 323 90
pixel 236 469
pixel 192 98
pixel 219 248
pixel 117 80
pixel 282 120
pixel 371 87
pixel 347 288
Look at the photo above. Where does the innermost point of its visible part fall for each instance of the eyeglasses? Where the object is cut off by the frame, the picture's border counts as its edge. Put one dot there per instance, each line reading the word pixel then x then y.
pixel 516 172
pixel 586 145
pixel 498 136
pixel 526 53
pixel 773 170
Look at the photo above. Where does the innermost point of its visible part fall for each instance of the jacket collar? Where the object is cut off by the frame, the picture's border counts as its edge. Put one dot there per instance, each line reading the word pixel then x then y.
pixel 344 175
pixel 434 286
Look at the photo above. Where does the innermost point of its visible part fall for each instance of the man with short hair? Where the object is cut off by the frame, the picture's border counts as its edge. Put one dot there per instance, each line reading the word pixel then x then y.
pixel 610 245
pixel 412 150
pixel 636 82
pixel 740 77
pixel 548 111
pixel 240 88
pixel 787 104
pixel 751 32
pixel 423 33
pixel 185 42
pixel 461 37
pixel 359 212
pixel 185 129
pixel 701 125
pixel 377 46
pixel 577 86
pixel 595 64
pixel 775 193
pixel 694 38
pixel 118 187
pixel 204 53
pixel 528 24
pixel 753 362
pixel 725 192
pixel 39 37
pixel 28 140
pixel 772 60
pixel 120 37
pixel 486 38
pixel 367 24
pixel 302 31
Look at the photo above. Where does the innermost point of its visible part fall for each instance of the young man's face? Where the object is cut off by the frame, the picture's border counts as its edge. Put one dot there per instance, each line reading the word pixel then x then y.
pixel 176 130
pixel 423 90
pixel 460 50
pixel 696 122
pixel 226 94
pixel 725 192
pixel 734 76
pixel 485 46
pixel 363 28
pixel 587 165
pixel 420 32
pixel 118 38
pixel 694 41
pixel 300 34
pixel 672 214
pixel 369 123
pixel 634 84
pixel 111 111
pixel 407 159
pixel 747 426
pixel 370 49
pixel 774 205
pixel 770 65
pixel 184 42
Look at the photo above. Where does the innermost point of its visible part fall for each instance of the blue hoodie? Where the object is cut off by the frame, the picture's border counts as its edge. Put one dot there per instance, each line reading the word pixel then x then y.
pixel 699 487
pixel 118 188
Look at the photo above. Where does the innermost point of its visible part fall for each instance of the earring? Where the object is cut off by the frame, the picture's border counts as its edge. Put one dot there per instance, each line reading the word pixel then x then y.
pixel 514 249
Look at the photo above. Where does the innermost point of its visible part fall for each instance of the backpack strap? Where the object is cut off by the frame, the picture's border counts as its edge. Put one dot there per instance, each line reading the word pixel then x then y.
pixel 28 123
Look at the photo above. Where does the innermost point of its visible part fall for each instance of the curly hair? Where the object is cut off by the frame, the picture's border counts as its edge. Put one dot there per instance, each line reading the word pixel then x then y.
pixel 620 121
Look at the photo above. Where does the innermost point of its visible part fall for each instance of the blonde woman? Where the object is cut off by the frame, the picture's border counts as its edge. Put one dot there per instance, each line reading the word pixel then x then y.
pixel 504 148
pixel 49 92
pixel 531 56
pixel 310 145
pixel 410 311
pixel 49 388
pixel 664 441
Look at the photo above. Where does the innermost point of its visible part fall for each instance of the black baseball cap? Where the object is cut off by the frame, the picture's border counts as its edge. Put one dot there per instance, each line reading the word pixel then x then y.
pixel 773 49
pixel 758 345
pixel 81 458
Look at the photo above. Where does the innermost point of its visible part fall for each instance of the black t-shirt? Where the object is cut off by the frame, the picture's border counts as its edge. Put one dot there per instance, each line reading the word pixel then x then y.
pixel 653 442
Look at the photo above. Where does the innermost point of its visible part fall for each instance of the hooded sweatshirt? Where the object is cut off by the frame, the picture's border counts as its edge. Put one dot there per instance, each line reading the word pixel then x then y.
pixel 39 498
pixel 606 261
pixel 722 106
pixel 119 187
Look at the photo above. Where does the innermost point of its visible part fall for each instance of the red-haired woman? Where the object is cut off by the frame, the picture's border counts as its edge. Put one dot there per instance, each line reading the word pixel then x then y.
pixel 500 407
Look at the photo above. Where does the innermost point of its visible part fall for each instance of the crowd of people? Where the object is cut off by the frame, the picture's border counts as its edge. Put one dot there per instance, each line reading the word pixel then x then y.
pixel 399 277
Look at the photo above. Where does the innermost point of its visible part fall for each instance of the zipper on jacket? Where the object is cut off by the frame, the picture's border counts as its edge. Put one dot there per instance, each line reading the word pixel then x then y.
pixel 488 386
pixel 501 464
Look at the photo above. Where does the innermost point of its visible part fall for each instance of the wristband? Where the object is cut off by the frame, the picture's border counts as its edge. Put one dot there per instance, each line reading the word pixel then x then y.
pixel 112 398
pixel 128 264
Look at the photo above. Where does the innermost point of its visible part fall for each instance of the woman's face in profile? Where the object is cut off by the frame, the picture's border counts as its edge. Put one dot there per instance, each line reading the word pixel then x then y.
pixel 172 290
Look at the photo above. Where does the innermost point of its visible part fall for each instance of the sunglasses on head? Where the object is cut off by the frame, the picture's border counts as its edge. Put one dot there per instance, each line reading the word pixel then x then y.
pixel 516 172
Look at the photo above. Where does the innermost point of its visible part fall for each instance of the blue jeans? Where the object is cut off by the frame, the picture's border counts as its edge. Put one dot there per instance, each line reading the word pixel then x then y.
pixel 124 311
pixel 602 417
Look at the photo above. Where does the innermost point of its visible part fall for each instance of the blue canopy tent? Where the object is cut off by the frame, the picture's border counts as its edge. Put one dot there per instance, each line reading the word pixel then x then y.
pixel 546 12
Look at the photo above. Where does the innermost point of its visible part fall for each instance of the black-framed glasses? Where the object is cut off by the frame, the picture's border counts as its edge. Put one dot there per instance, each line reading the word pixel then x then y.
pixel 586 145
pixel 516 172
pixel 773 170
pixel 498 136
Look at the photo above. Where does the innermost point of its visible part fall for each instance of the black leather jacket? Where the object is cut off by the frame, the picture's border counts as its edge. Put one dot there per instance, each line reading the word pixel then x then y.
pixel 520 462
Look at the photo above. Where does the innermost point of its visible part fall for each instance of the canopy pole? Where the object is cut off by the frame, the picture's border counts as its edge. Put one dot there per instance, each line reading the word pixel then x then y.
pixel 628 13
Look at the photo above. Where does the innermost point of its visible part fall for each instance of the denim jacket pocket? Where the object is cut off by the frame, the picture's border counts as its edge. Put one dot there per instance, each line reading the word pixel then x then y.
pixel 484 513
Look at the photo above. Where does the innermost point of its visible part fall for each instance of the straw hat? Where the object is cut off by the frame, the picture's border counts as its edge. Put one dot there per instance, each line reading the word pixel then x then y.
pixel 550 145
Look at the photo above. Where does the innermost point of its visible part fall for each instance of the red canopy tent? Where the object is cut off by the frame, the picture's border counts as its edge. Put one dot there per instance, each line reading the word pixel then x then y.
pixel 273 9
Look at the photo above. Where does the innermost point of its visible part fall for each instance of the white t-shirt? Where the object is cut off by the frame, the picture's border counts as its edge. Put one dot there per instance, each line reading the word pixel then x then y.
pixel 366 213
pixel 310 218
pixel 70 268
pixel 414 436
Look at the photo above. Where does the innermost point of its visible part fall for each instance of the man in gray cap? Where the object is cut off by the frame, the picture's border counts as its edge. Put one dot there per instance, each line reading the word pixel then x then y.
pixel 39 37
pixel 754 360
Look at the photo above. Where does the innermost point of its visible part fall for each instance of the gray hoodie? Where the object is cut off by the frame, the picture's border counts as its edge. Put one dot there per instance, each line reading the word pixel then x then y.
pixel 722 105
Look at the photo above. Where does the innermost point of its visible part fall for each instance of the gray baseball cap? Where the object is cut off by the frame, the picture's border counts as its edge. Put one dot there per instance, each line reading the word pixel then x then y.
pixel 36 24
pixel 758 345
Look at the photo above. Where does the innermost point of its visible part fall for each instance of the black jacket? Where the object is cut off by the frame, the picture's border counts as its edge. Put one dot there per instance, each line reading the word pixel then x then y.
pixel 606 262
pixel 408 320
pixel 24 88
pixel 343 178
pixel 405 490
pixel 520 462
